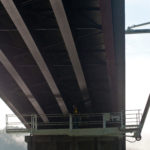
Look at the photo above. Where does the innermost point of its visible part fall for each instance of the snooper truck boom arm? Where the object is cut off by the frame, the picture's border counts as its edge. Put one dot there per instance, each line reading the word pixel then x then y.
pixel 138 132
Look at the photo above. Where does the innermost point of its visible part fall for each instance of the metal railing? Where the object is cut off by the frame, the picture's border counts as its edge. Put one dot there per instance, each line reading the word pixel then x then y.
pixel 72 121
pixel 13 124
pixel 133 118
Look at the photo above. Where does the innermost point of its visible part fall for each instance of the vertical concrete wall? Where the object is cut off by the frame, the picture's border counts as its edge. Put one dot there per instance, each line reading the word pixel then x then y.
pixel 73 143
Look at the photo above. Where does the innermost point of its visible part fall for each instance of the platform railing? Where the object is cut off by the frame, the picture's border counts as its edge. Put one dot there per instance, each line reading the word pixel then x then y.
pixel 133 118
pixel 74 121
pixel 13 124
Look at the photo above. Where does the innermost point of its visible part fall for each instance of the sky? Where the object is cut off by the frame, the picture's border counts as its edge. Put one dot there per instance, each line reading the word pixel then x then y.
pixel 137 76
pixel 137 66
pixel 9 141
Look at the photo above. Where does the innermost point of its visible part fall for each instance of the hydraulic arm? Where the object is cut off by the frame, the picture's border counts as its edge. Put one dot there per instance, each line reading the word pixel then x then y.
pixel 137 134
pixel 131 30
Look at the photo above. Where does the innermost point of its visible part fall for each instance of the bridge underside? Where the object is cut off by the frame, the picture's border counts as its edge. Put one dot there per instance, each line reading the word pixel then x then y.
pixel 56 54
pixel 98 36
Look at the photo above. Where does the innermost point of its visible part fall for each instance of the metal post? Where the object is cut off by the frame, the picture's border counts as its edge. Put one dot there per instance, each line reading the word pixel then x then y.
pixel 104 121
pixel 139 117
pixel 122 125
pixel 6 122
pixel 35 120
pixel 32 123
pixel 70 122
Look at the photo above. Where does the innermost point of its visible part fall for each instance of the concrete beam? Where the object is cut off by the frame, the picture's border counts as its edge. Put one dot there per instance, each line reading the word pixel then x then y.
pixel 107 26
pixel 13 108
pixel 65 30
pixel 9 67
pixel 26 35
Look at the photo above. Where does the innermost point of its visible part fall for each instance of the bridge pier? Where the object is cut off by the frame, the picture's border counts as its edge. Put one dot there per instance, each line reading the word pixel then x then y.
pixel 73 143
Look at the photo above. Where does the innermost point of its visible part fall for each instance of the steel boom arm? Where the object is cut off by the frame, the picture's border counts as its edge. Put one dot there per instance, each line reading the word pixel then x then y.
pixel 138 133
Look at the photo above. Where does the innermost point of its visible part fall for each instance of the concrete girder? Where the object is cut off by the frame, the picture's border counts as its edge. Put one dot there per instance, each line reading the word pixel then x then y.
pixel 12 71
pixel 32 47
pixel 65 30
pixel 107 25
pixel 13 108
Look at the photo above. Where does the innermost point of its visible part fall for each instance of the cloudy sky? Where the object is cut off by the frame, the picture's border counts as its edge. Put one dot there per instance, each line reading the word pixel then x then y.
pixel 137 76
pixel 9 141
pixel 137 66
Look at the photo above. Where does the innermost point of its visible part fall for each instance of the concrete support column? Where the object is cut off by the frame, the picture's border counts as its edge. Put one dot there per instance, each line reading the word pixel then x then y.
pixel 73 143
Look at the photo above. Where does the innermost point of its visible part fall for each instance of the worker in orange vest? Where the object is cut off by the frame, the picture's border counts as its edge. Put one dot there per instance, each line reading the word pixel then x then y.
pixel 75 109
pixel 75 117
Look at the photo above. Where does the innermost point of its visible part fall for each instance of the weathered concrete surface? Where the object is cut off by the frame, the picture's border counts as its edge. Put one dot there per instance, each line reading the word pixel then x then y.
pixel 73 143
